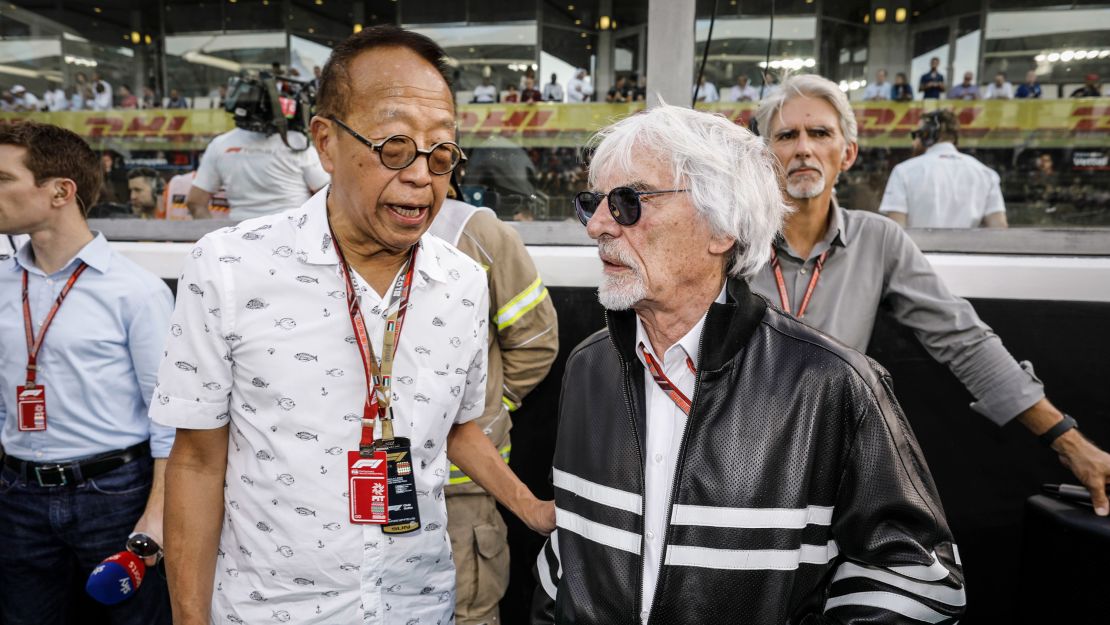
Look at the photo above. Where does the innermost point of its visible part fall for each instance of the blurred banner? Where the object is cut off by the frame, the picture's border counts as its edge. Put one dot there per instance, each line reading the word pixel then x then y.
pixel 1079 123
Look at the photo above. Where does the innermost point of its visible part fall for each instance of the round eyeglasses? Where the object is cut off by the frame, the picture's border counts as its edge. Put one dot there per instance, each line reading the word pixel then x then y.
pixel 624 204
pixel 399 151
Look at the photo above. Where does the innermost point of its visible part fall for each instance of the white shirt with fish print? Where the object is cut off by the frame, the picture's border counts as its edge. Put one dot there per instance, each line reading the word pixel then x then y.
pixel 261 342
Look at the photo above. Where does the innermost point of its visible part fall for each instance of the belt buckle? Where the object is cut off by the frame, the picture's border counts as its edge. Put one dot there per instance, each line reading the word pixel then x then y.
pixel 61 472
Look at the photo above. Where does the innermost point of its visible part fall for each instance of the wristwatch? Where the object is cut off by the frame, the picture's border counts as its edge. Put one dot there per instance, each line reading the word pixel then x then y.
pixel 1053 433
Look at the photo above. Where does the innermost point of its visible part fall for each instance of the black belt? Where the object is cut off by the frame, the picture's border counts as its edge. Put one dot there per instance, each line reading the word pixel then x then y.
pixel 76 471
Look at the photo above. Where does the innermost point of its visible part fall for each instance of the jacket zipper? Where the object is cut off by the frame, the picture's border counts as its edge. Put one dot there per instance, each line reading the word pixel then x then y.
pixel 627 392
pixel 674 483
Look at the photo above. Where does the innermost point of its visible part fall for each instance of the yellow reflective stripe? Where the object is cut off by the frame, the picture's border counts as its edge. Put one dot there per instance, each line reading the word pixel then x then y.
pixel 508 404
pixel 518 306
pixel 458 477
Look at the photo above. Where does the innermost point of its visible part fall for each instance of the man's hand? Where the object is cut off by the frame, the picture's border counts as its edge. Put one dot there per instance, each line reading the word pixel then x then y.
pixel 539 516
pixel 1090 465
pixel 470 450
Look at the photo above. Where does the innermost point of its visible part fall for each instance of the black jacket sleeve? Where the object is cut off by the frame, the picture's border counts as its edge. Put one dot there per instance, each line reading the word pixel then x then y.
pixel 898 558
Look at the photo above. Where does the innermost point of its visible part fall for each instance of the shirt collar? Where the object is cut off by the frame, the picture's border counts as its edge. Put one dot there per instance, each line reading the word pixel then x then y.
pixel 689 343
pixel 97 254
pixel 942 147
pixel 313 239
pixel 835 234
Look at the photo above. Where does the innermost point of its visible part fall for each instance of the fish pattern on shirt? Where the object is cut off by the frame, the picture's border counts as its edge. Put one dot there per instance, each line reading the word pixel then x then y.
pixel 286 376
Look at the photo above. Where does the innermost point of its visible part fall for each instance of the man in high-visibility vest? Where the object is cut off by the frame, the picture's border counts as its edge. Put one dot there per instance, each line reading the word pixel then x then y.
pixel 523 342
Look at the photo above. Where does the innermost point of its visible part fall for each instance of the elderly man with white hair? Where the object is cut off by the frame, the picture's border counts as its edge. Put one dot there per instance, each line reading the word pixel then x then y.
pixel 717 460
pixel 834 268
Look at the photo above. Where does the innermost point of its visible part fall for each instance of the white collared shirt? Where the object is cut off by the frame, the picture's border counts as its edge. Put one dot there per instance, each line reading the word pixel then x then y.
pixel 943 188
pixel 261 340
pixel 666 424
pixel 747 93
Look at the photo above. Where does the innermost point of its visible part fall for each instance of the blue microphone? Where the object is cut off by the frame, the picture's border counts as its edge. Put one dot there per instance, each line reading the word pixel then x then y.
pixel 116 578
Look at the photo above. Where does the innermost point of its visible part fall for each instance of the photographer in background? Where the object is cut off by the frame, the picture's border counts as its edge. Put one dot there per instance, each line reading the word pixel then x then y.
pixel 266 164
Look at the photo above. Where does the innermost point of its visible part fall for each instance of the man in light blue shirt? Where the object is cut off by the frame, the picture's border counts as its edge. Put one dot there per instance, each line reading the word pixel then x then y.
pixel 77 481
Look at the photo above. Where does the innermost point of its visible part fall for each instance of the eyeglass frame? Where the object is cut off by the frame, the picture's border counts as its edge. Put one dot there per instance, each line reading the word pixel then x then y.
pixel 598 196
pixel 426 153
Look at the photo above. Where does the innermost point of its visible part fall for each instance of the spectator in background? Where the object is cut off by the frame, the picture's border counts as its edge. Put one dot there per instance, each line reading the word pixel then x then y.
pixel 145 190
pixel 880 89
pixel 102 89
pixel 486 93
pixel 932 81
pixel 127 99
pixel 742 91
pixel 76 96
pixel 512 94
pixel 219 97
pixel 530 93
pixel 579 89
pixel 639 88
pixel 706 91
pixel 553 91
pixel 901 91
pixel 1000 89
pixel 24 100
pixel 315 78
pixel 618 93
pixel 967 90
pixel 770 84
pixel 88 98
pixel 55 99
pixel 1030 88
pixel 7 102
pixel 1090 89
pixel 177 101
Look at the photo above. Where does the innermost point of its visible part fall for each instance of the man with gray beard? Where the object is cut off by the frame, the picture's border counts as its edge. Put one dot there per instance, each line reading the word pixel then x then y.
pixel 833 268
pixel 717 460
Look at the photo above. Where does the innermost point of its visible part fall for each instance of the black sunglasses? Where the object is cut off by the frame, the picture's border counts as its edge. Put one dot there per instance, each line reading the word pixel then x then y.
pixel 399 151
pixel 624 204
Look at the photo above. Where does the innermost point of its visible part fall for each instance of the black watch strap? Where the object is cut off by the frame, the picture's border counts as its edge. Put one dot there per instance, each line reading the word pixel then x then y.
pixel 1065 424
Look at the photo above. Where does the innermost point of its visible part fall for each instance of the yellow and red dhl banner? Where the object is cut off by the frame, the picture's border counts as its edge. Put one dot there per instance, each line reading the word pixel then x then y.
pixel 995 124
pixel 1009 124
pixel 154 129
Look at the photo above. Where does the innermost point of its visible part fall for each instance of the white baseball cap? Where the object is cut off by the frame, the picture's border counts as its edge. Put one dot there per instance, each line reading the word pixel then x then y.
pixel 17 89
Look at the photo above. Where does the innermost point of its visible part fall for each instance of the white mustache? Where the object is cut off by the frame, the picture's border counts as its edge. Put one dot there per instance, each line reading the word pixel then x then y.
pixel 814 166
pixel 611 252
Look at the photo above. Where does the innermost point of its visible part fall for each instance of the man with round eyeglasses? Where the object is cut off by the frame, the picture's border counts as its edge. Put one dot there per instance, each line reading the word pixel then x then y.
pixel 708 441
pixel 324 364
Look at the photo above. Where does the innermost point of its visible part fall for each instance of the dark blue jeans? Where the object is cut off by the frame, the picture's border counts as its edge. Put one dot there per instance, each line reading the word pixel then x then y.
pixel 52 538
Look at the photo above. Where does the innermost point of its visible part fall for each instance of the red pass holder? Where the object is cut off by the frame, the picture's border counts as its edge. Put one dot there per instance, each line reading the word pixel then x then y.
pixel 31 401
pixel 369 488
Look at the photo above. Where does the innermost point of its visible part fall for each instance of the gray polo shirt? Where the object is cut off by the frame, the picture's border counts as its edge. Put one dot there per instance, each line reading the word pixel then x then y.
pixel 873 261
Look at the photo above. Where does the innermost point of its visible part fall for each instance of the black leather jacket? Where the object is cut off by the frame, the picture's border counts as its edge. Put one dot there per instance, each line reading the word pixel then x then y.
pixel 800 495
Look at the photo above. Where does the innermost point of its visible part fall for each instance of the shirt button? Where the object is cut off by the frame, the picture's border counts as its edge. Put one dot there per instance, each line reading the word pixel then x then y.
pixel 659 457
pixel 802 271
pixel 643 615
pixel 650 535
pixel 50 280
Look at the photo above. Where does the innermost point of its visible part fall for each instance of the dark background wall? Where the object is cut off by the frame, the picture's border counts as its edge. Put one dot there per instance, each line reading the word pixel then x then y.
pixel 984 473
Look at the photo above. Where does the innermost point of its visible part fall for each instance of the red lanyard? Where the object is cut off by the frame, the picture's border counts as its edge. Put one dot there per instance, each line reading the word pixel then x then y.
pixel 35 344
pixel 818 266
pixel 665 384
pixel 378 395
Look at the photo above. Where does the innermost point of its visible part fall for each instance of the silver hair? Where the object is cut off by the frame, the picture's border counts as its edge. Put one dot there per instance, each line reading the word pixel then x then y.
pixel 731 176
pixel 808 86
